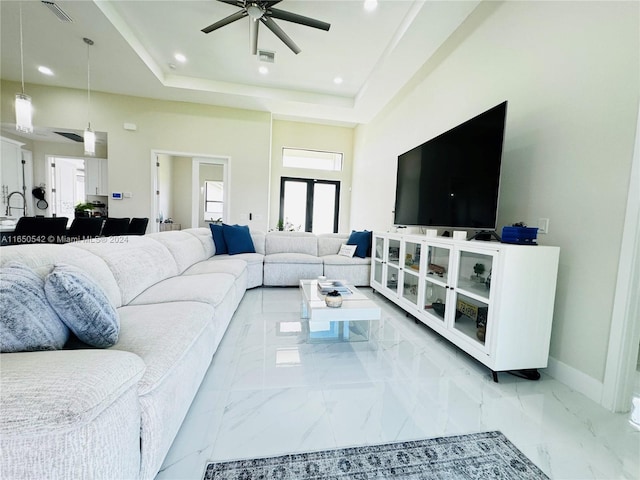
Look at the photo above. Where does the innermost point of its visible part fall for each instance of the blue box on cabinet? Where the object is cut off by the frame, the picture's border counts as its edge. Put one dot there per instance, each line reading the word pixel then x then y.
pixel 520 235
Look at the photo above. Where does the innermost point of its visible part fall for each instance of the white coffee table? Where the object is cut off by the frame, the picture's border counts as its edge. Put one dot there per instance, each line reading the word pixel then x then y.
pixel 347 323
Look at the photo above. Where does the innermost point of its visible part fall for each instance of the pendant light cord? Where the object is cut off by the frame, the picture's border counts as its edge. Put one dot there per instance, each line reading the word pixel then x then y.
pixel 21 51
pixel 89 42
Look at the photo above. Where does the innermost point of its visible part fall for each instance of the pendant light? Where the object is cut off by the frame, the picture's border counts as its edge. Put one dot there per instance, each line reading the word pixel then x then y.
pixel 23 101
pixel 89 135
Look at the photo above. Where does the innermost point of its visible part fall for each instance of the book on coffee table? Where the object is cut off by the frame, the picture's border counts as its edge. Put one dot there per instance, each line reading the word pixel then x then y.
pixel 326 286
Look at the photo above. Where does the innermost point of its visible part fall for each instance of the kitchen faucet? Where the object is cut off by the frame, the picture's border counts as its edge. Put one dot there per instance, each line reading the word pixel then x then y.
pixel 9 207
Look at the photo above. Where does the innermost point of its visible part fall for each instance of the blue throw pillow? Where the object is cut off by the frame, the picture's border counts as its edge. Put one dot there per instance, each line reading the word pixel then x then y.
pixel 83 306
pixel 218 239
pixel 362 241
pixel 238 239
pixel 28 323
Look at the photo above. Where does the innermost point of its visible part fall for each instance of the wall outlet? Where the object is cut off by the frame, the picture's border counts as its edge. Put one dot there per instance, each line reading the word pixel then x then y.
pixel 543 225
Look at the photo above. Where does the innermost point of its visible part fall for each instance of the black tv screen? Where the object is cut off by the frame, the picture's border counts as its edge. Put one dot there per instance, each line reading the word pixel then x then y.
pixel 453 180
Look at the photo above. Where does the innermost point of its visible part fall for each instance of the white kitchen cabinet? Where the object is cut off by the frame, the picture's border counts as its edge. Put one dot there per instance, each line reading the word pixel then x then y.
pixel 493 300
pixel 96 176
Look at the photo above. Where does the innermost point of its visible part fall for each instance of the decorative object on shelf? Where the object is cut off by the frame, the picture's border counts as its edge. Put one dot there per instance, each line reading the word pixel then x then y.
pixel 481 333
pixel 437 269
pixel 519 234
pixel 24 110
pixel 408 260
pixel 333 299
pixel 487 282
pixel 478 269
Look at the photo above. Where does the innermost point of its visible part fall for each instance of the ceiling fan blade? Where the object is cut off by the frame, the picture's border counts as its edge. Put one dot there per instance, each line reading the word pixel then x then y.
pixel 300 19
pixel 271 3
pixel 225 21
pixel 237 3
pixel 278 32
pixel 253 36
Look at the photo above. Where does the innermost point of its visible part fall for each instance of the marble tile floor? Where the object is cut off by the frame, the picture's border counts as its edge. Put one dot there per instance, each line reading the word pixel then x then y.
pixel 270 392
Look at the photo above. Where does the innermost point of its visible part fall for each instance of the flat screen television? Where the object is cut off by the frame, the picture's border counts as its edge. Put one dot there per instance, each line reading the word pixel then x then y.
pixel 453 180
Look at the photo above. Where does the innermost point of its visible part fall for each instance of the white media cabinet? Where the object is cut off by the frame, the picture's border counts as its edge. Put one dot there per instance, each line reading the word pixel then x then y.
pixel 499 313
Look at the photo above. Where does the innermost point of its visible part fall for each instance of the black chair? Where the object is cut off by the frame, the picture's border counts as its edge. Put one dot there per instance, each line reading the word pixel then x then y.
pixel 40 230
pixel 84 227
pixel 138 226
pixel 115 226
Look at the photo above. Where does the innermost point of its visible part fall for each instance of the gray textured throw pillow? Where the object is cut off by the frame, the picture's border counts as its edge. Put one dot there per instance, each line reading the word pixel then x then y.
pixel 83 306
pixel 27 321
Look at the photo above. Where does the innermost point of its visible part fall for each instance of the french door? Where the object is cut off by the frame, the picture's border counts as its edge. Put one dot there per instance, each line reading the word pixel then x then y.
pixel 309 205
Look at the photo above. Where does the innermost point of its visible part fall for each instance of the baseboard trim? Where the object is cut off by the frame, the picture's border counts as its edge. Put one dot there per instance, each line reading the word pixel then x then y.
pixel 577 380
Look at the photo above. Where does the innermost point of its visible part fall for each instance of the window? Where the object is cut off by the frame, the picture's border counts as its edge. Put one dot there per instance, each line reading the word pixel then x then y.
pixel 213 199
pixel 309 205
pixel 312 159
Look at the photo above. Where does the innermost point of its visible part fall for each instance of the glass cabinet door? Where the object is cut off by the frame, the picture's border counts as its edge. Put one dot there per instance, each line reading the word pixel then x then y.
pixel 436 280
pixel 472 294
pixel 377 260
pixel 393 264
pixel 411 271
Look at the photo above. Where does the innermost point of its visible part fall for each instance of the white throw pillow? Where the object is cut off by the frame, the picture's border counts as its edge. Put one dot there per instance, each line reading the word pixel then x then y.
pixel 347 250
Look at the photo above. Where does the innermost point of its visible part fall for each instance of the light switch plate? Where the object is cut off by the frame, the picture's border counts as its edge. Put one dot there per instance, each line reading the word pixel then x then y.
pixel 543 225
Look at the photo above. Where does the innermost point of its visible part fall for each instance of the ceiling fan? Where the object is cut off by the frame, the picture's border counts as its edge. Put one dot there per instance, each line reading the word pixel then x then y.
pixel 263 11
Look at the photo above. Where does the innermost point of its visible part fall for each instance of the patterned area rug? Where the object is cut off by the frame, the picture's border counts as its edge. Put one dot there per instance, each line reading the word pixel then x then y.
pixel 478 456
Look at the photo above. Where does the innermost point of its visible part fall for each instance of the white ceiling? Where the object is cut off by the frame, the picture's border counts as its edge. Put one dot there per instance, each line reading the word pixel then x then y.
pixel 375 53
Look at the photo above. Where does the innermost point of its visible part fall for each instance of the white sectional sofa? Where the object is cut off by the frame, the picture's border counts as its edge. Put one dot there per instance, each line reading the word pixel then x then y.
pixel 113 413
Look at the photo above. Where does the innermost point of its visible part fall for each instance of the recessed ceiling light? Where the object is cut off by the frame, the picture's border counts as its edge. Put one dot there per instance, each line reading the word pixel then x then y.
pixel 45 70
pixel 370 5
pixel 180 57
pixel 263 70
pixel 337 80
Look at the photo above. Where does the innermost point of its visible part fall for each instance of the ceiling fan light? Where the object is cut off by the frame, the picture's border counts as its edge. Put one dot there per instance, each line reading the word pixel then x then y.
pixel 255 11
pixel 89 142
pixel 24 113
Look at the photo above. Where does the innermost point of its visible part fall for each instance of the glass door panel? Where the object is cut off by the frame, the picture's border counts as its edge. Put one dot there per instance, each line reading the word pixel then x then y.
pixel 324 207
pixel 377 272
pixel 471 317
pixel 412 256
pixel 438 263
pixel 294 212
pixel 392 277
pixel 474 275
pixel 394 252
pixel 435 299
pixel 378 251
pixel 410 286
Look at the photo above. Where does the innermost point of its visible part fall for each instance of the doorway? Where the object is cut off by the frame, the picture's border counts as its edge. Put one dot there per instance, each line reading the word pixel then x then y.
pixel 309 205
pixel 178 189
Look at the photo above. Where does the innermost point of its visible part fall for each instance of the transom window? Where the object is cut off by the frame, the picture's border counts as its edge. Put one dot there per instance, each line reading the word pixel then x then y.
pixel 311 159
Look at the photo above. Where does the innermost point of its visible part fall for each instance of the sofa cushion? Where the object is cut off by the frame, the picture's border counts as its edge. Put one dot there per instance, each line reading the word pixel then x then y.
pixel 292 258
pixel 291 242
pixel 42 258
pixel 55 391
pixel 28 322
pixel 222 264
pixel 238 239
pixel 152 333
pixel 218 238
pixel 205 237
pixel 208 288
pixel 362 240
pixel 137 262
pixel 185 248
pixel 82 306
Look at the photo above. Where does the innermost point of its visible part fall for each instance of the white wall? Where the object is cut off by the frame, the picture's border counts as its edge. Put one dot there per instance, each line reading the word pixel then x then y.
pixel 570 73
pixel 310 136
pixel 163 126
